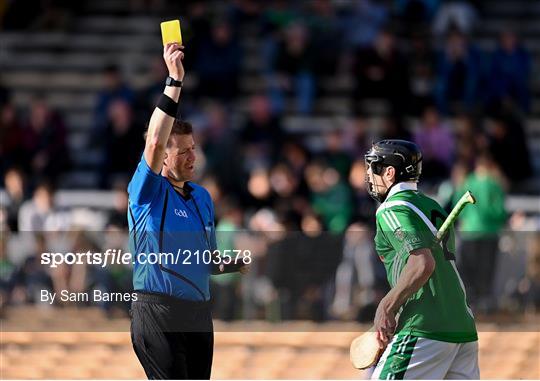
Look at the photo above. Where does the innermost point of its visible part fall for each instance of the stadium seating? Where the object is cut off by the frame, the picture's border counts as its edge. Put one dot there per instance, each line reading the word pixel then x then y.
pixel 66 68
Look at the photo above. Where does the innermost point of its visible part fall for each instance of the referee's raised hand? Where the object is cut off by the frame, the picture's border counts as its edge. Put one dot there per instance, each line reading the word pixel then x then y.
pixel 173 56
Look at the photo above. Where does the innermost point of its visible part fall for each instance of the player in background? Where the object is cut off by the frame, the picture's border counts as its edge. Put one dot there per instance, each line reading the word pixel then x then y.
pixel 424 321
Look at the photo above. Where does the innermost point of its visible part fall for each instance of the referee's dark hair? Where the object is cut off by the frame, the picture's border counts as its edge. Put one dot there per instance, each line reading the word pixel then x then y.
pixel 179 127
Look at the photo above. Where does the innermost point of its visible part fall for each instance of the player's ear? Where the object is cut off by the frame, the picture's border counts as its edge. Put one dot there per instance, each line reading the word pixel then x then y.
pixel 390 174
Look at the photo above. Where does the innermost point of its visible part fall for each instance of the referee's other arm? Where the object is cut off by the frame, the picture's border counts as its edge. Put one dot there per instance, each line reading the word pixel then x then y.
pixel 160 125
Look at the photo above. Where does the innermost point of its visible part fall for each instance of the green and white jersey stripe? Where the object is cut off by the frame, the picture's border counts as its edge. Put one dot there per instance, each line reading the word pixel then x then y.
pixel 396 358
pixel 409 220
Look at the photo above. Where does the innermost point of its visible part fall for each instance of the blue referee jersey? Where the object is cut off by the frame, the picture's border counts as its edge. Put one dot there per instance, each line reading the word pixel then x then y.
pixel 163 221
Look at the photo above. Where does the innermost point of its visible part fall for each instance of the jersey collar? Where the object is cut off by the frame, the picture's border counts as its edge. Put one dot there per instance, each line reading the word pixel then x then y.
pixel 399 187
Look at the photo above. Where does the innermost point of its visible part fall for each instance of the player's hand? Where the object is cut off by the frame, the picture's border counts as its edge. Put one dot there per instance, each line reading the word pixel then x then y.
pixel 173 56
pixel 385 323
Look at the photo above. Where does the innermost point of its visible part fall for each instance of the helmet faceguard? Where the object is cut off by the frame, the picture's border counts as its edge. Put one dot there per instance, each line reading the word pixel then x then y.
pixel 404 156
pixel 374 162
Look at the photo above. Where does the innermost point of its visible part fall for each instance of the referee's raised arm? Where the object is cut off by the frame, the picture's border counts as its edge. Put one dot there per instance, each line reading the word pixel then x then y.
pixel 164 114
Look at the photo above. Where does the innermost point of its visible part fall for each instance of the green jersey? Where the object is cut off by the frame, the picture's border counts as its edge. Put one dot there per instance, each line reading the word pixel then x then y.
pixel 408 220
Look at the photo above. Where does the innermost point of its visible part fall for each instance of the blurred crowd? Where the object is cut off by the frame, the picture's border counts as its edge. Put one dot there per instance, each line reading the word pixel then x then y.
pixel 298 199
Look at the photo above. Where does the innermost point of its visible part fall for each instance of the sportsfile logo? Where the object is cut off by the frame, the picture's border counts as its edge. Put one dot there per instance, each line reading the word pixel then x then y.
pixel 180 213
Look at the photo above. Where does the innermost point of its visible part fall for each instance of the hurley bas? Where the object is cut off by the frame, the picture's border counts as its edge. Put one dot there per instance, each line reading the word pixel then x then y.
pixel 93 296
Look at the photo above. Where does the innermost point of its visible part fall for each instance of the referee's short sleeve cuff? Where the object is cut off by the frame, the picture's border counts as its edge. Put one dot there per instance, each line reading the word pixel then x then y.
pixel 144 184
pixel 146 168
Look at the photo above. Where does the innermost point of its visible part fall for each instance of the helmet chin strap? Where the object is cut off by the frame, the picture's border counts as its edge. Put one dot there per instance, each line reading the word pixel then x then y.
pixel 380 196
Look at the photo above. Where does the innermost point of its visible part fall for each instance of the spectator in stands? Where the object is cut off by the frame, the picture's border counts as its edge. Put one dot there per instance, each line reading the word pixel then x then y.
pixel 293 71
pixel 56 16
pixel 7 272
pixel 11 136
pixel 509 74
pixel 505 136
pixel 394 128
pixel 422 66
pixel 335 154
pixel 448 190
pixel 44 142
pixel 436 141
pixel 301 268
pixel 468 137
pixel 225 288
pixel 416 14
pixel 114 277
pixel 297 157
pixel 530 285
pixel 280 268
pixel 361 21
pixel 480 229
pixel 381 72
pixel 118 216
pixel 277 15
pixel 283 181
pixel 262 134
pixel 360 283
pixel 114 88
pixel 275 18
pixel 16 194
pixel 245 12
pixel 33 277
pixel 454 14
pixel 34 213
pixel 218 63
pixel 258 189
pixel 363 203
pixel 457 74
pixel 291 200
pixel 315 261
pixel 221 148
pixel 323 25
pixel 196 29
pixel 357 136
pixel 121 132
pixel 74 277
pixel 330 195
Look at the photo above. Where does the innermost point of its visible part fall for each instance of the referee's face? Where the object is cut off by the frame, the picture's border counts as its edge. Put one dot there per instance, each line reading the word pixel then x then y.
pixel 180 159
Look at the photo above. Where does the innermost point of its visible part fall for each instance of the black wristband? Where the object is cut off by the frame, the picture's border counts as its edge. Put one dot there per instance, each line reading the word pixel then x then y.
pixel 167 105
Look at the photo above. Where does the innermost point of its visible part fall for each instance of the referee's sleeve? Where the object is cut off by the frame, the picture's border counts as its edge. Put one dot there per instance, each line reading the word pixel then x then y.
pixel 144 185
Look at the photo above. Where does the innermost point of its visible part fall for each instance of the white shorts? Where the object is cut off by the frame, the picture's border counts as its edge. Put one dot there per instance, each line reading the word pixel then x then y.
pixel 411 357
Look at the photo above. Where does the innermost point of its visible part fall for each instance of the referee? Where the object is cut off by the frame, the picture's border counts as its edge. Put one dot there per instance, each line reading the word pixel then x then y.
pixel 171 322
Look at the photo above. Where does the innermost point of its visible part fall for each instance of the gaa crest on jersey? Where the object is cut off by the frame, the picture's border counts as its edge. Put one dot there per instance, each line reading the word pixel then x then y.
pixel 400 234
pixel 398 363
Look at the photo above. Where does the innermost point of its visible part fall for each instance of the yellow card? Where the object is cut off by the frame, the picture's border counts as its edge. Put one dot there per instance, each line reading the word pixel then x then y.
pixel 170 32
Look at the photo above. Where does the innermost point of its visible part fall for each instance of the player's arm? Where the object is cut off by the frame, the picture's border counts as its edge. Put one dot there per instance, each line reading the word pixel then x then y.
pixel 414 275
pixel 160 125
